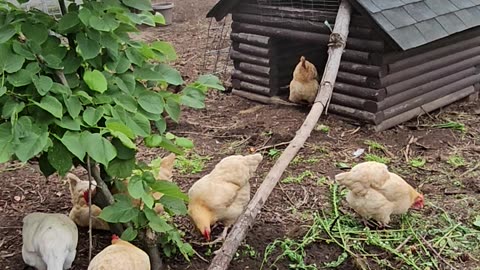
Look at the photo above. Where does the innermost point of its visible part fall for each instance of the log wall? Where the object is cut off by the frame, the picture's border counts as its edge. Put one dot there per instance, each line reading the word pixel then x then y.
pixel 376 84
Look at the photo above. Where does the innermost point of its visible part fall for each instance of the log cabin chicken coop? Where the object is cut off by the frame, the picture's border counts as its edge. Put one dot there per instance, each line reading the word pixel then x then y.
pixel 402 58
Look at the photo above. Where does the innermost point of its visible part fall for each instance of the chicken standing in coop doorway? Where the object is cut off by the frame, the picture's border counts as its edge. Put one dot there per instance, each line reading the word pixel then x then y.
pixel 304 85
pixel 375 193
pixel 49 241
pixel 223 194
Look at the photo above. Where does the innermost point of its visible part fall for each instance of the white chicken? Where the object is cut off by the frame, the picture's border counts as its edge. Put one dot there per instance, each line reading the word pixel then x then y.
pixel 49 241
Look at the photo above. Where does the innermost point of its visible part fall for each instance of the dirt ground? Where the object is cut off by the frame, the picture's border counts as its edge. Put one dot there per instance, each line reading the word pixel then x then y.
pixel 230 125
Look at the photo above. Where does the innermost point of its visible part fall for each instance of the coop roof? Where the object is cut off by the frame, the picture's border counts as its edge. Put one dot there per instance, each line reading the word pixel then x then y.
pixel 409 23
pixel 412 23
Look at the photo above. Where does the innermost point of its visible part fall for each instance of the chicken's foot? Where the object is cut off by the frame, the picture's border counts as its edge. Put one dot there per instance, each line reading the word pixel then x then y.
pixel 221 238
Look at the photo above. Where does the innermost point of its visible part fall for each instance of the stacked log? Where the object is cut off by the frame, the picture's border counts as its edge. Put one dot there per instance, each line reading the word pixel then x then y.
pixel 376 84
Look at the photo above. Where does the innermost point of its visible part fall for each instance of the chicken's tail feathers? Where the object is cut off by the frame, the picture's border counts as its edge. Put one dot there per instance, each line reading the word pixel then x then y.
pixel 302 60
pixel 356 187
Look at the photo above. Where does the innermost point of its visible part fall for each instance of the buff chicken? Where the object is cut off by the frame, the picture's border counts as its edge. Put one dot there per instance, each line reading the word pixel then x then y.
pixel 79 213
pixel 223 194
pixel 304 85
pixel 375 193
pixel 120 255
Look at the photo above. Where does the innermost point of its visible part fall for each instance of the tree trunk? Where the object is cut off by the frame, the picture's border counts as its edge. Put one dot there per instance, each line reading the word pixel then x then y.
pixel 239 230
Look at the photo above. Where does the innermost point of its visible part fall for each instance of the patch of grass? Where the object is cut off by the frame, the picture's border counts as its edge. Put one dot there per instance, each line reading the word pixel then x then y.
pixel 418 162
pixel 191 163
pixel 419 243
pixel 323 180
pixel 298 160
pixel 322 128
pixel 343 165
pixel 374 145
pixel 373 157
pixel 249 251
pixel 274 153
pixel 452 125
pixel 298 179
pixel 456 161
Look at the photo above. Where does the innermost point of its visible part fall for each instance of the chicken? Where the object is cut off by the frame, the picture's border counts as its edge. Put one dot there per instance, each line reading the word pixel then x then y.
pixel 49 241
pixel 79 212
pixel 375 193
pixel 120 255
pixel 223 194
pixel 304 86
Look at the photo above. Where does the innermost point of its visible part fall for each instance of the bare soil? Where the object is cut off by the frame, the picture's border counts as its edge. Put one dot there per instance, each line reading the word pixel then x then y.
pixel 231 125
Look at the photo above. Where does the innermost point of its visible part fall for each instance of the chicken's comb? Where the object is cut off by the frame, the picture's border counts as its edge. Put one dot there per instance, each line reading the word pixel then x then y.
pixel 115 237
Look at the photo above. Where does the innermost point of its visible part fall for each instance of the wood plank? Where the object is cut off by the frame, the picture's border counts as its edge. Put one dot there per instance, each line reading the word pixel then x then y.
pixel 362 116
pixel 437 74
pixel 361 69
pixel 358 80
pixel 429 66
pixel 250 87
pixel 360 92
pixel 431 96
pixel 425 108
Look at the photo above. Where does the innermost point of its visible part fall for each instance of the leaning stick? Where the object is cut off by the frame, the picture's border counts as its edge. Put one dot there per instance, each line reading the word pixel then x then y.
pixel 337 43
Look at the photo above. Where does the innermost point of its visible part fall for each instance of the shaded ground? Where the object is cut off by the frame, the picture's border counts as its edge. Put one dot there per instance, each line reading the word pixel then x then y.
pixel 449 178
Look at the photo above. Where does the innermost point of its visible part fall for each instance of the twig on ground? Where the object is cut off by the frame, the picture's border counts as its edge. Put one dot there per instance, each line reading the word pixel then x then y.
pixel 272 146
pixel 435 252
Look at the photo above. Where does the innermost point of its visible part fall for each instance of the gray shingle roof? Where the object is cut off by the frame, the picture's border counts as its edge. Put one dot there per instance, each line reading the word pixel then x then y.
pixel 412 23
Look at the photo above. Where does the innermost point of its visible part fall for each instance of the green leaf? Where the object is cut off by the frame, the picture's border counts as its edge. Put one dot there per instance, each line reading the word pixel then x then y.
pixel 126 83
pixel 122 211
pixel 98 148
pixel 157 223
pixel 60 158
pixel 183 142
pixel 20 78
pixel 134 56
pixel 43 84
pixel 129 234
pixel 73 106
pixel 71 140
pixel 37 33
pixel 211 81
pixel 31 145
pixel 91 116
pixel 51 105
pixel 6 142
pixel 84 15
pixel 158 18
pixel 169 189
pixel 121 168
pixel 71 63
pixel 115 125
pixel 151 102
pixel 23 50
pixel 11 108
pixel 139 124
pixel 68 123
pixel 169 74
pixel 193 97
pixel 7 31
pixel 53 61
pixel 166 49
pixel 95 80
pixel 123 152
pixel 136 188
pixel 68 22
pixel 127 102
pixel 169 146
pixel 45 167
pixel 161 125
pixel 9 61
pixel 147 74
pixel 173 205
pixel 139 4
pixel 153 140
pixel 88 48
pixel 3 90
pixel 105 23
pixel 121 65
pixel 173 109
